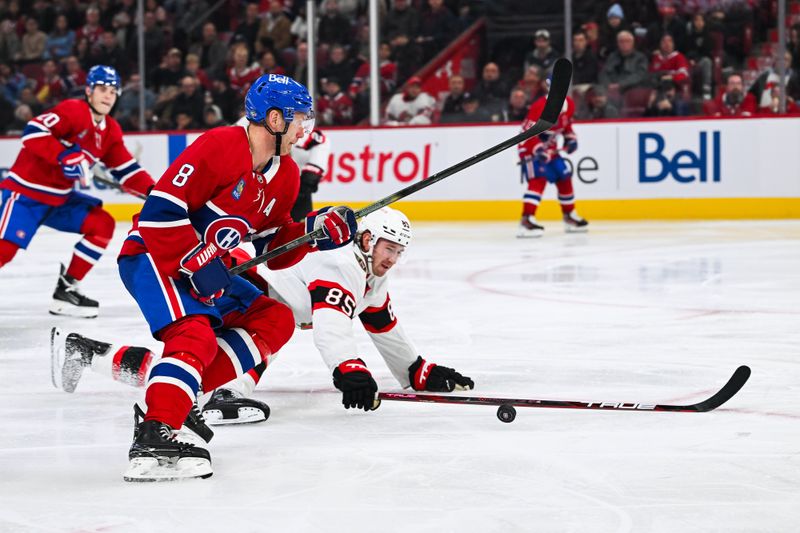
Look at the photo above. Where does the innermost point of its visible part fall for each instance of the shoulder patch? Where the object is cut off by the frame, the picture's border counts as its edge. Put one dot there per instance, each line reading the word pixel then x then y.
pixel 237 191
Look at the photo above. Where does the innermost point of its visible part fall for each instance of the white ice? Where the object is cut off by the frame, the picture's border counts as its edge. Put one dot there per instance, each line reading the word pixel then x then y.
pixel 649 312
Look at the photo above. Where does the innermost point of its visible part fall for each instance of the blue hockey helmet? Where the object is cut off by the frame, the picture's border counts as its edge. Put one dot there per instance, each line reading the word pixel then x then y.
pixel 103 75
pixel 275 91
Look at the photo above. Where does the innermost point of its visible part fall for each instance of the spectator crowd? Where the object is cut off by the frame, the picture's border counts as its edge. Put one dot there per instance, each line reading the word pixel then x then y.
pixel 631 58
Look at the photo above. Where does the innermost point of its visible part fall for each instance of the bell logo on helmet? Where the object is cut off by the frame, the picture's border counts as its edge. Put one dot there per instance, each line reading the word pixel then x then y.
pixel 278 78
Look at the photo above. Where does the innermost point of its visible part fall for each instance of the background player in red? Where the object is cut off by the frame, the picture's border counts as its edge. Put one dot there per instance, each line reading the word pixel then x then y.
pixel 541 163
pixel 59 147
pixel 229 183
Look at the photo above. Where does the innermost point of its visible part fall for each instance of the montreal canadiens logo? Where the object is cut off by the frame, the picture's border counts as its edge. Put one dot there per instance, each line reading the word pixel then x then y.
pixel 226 232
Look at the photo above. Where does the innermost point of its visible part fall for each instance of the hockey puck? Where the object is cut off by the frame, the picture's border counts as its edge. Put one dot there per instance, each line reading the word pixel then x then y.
pixel 506 413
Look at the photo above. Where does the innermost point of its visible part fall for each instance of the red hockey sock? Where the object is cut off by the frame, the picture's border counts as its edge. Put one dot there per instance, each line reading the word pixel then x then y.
pixel 7 251
pixel 249 339
pixel 238 354
pixel 97 230
pixel 172 388
pixel 189 347
pixel 533 196
pixel 566 195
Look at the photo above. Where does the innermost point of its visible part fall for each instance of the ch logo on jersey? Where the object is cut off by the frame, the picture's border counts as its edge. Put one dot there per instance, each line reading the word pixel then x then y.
pixel 226 232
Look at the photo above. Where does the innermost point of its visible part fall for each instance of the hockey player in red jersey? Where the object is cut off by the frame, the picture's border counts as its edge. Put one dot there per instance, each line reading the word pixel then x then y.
pixel 59 148
pixel 327 290
pixel 541 162
pixel 230 183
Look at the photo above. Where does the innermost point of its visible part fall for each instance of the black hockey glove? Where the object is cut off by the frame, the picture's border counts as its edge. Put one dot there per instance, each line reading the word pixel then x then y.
pixel 354 380
pixel 431 377
pixel 309 182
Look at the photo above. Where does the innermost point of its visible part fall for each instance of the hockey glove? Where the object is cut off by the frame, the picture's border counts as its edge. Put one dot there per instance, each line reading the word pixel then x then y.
pixel 309 182
pixel 355 381
pixel 206 272
pixel 338 223
pixel 570 145
pixel 75 165
pixel 542 154
pixel 431 377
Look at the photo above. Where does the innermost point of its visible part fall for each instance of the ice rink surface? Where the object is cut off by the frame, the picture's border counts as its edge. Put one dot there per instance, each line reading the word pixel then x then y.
pixel 646 312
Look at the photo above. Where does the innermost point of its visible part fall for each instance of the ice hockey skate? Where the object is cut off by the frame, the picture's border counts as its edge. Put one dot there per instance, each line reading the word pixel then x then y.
pixel 574 223
pixel 68 300
pixel 194 430
pixel 69 355
pixel 159 453
pixel 529 228
pixel 228 406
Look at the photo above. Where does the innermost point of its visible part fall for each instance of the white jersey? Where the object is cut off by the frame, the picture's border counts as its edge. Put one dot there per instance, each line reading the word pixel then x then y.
pixel 329 290
pixel 416 111
pixel 312 153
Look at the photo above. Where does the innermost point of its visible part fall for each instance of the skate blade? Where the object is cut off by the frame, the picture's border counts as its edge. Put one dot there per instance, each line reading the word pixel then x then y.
pixel 530 233
pixel 57 350
pixel 573 229
pixel 148 469
pixel 244 415
pixel 66 309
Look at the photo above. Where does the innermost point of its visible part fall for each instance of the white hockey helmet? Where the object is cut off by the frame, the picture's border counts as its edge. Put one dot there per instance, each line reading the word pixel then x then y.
pixel 386 223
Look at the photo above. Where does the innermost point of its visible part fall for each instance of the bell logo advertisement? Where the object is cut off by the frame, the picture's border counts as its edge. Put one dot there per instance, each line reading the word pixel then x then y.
pixel 698 163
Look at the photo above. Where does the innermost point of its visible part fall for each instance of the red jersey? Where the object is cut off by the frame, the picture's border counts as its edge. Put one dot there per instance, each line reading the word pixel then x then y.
pixel 240 80
pixel 562 127
pixel 37 173
pixel 388 72
pixel 673 64
pixel 722 107
pixel 335 110
pixel 210 193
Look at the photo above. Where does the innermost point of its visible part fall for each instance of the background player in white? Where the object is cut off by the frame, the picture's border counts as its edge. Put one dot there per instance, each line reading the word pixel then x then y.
pixel 328 290
pixel 311 154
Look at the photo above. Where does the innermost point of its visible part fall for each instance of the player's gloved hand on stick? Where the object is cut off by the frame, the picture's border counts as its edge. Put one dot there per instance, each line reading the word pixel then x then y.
pixel 570 145
pixel 338 223
pixel 356 383
pixel 542 154
pixel 431 377
pixel 206 272
pixel 76 165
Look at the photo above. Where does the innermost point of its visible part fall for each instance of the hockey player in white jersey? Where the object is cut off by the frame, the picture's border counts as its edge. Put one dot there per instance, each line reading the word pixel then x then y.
pixel 311 155
pixel 326 291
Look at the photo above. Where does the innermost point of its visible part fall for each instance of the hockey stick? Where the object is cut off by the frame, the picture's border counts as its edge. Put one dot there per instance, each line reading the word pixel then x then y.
pixel 100 173
pixel 734 384
pixel 100 176
pixel 562 75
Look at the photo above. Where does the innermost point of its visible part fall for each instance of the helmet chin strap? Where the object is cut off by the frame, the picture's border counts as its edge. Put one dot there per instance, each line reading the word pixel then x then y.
pixel 278 135
pixel 364 258
pixel 89 103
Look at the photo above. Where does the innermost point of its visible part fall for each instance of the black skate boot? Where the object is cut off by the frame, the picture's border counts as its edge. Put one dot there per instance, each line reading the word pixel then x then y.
pixel 68 301
pixel 227 406
pixel 574 223
pixel 157 454
pixel 193 429
pixel 529 228
pixel 69 355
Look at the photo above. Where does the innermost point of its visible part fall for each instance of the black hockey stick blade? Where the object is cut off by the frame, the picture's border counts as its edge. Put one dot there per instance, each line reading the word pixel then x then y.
pixel 559 85
pixel 728 391
pixel 734 384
